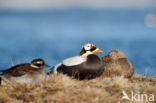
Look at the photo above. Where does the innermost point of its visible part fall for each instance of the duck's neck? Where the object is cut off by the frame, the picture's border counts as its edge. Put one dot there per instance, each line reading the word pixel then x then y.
pixel 34 66
pixel 86 54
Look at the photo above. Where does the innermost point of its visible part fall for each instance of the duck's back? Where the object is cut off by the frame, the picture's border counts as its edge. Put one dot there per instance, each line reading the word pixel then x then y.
pixel 91 68
pixel 17 70
pixel 120 67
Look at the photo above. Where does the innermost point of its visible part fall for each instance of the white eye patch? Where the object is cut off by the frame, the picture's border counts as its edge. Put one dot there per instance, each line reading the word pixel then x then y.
pixel 87 46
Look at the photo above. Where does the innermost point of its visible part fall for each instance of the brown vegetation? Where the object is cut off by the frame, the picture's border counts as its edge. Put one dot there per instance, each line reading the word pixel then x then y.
pixel 63 89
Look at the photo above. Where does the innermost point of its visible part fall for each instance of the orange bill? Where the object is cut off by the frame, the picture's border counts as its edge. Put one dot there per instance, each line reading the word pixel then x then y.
pixel 98 51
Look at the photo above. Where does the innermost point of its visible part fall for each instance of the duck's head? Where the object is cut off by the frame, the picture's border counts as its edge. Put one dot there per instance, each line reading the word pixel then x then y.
pixel 90 48
pixel 38 63
pixel 116 54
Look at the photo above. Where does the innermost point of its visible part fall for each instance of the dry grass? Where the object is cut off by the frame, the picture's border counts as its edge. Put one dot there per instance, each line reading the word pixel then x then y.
pixel 63 89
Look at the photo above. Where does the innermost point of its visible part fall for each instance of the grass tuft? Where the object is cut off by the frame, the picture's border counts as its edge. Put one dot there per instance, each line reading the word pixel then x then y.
pixel 63 89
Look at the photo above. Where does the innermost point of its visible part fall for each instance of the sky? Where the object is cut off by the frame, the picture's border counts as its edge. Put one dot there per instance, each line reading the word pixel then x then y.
pixel 49 4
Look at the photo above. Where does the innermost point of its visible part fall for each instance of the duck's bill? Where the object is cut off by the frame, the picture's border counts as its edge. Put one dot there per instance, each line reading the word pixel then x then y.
pixel 98 51
pixel 46 65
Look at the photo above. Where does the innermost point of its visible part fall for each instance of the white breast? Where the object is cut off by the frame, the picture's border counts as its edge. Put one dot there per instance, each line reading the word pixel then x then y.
pixel 21 79
pixel 74 61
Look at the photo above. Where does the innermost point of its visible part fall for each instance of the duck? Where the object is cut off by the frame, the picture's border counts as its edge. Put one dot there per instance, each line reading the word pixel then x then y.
pixel 117 64
pixel 85 66
pixel 26 73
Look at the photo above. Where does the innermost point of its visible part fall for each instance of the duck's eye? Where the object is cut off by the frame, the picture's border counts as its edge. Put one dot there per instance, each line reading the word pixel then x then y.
pixel 87 48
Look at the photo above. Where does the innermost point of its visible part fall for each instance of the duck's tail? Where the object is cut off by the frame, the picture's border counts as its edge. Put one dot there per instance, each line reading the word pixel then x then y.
pixel 3 79
pixel 55 68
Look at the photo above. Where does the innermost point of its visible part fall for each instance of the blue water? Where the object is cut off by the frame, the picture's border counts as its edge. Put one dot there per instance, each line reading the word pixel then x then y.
pixel 58 34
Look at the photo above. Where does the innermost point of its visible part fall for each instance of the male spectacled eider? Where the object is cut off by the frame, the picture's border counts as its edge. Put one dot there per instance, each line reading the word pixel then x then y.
pixel 26 73
pixel 117 64
pixel 86 66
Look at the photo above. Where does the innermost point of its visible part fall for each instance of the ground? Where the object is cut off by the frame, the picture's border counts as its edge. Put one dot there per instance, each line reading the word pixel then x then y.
pixel 63 89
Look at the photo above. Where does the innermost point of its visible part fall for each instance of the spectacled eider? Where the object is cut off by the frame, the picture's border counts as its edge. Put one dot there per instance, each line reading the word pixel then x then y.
pixel 86 66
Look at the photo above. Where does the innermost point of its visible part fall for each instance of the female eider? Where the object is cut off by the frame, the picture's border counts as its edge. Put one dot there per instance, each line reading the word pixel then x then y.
pixel 117 64
pixel 86 66
pixel 26 73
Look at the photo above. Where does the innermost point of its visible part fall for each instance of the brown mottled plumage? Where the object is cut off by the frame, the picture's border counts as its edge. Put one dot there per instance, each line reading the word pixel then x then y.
pixel 117 64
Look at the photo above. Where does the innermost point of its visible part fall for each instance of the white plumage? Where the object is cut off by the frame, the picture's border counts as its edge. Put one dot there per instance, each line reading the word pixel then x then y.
pixel 74 61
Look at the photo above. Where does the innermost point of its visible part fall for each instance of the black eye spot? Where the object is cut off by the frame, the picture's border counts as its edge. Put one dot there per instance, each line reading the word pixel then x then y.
pixel 39 65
